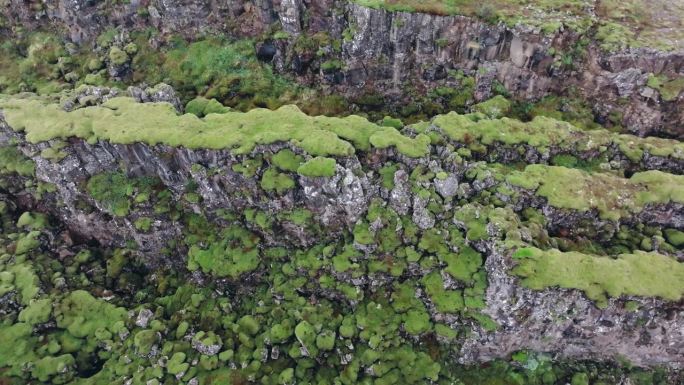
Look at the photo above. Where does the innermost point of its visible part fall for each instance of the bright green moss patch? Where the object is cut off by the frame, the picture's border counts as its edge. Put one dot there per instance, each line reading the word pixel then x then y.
pixel 446 301
pixel 82 314
pixel 387 174
pixel 37 311
pixel 495 107
pixel 17 347
pixel 273 180
pixel 463 265
pixel 612 196
pixel 121 120
pixel 287 160
pixel 412 147
pixel 674 237
pixel 27 242
pixel 318 167
pixel 143 224
pixel 21 278
pixel 640 274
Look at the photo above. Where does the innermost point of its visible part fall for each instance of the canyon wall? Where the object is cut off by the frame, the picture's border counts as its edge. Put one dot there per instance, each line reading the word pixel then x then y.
pixel 399 55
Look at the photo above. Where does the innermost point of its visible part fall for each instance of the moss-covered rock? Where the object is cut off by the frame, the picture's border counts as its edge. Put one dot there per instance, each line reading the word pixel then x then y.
pixel 639 274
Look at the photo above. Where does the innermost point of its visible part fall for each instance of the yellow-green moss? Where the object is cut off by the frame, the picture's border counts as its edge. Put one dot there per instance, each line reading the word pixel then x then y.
pixel 612 196
pixel 13 161
pixel 318 167
pixel 544 132
pixel 640 274
pixel 122 120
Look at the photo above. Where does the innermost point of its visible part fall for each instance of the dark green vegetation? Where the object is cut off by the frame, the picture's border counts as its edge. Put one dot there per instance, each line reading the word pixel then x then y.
pixel 214 67
pixel 112 319
pixel 229 73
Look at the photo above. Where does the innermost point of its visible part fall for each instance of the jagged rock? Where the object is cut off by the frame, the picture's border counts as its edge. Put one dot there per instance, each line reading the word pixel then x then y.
pixel 159 93
pixel 89 96
pixel 448 187
pixel 421 215
pixel 400 197
pixel 144 317
pixel 628 81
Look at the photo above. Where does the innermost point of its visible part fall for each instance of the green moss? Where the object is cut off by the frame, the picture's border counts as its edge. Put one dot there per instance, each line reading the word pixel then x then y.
pixel 332 65
pixel 114 190
pixel 580 379
pixel 27 242
pixel 38 311
pixel 17 347
pixel 22 278
pixel 614 37
pixel 669 89
pixel 143 224
pixel 674 237
pixel 121 120
pixel 362 234
pixel 287 160
pixel 306 335
pixel 213 68
pixel 568 161
pixel 82 315
pixel 544 132
pixel 232 255
pixel 177 364
pixel 389 121
pixel 463 265
pixel 202 107
pixel 387 173
pixel 446 301
pixel 54 153
pixel 117 56
pixel 249 167
pixel 273 180
pixel 47 367
pixel 318 167
pixel 612 196
pixel 13 161
pixel 32 220
pixel 640 274
pixel 145 340
pixel 495 107
pixel 412 147
pixel 325 340
pixel 417 322
pixel 445 332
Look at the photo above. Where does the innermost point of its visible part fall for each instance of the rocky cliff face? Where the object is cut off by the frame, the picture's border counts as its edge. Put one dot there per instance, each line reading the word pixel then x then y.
pixel 562 322
pixel 398 54
pixel 364 253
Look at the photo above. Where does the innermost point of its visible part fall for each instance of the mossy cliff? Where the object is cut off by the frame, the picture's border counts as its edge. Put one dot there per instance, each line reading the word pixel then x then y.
pixel 608 63
pixel 142 245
